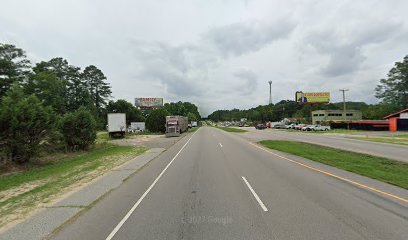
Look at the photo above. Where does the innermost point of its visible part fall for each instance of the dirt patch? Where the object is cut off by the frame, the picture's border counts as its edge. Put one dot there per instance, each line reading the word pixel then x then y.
pixel 13 192
pixel 150 141
pixel 136 140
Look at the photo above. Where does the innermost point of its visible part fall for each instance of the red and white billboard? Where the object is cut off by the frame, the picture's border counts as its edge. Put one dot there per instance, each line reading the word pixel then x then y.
pixel 148 102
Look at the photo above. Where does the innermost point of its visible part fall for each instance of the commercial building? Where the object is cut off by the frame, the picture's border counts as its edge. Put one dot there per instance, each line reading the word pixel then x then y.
pixel 398 121
pixel 329 116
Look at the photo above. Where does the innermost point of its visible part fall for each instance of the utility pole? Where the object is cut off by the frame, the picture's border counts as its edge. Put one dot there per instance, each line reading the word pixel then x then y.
pixel 344 104
pixel 270 92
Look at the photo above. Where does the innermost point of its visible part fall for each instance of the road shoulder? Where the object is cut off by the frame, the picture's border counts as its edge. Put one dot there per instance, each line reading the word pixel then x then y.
pixel 51 217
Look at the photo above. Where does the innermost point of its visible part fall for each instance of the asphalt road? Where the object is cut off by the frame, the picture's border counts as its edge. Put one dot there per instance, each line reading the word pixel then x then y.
pixel 216 185
pixel 392 151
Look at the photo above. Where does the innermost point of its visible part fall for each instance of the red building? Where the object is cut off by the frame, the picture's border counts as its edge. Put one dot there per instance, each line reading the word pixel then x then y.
pixel 398 121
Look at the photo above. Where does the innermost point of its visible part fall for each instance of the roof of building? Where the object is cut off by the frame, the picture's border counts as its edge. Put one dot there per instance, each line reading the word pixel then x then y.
pixel 395 114
pixel 372 122
pixel 337 110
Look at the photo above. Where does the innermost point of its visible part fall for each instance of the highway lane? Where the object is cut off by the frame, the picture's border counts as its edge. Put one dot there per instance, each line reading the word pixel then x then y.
pixel 218 186
pixel 392 151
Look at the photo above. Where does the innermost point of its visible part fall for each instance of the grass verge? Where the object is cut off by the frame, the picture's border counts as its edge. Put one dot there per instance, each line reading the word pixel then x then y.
pixel 340 131
pixel 22 192
pixel 400 140
pixel 235 130
pixel 383 169
pixel 193 129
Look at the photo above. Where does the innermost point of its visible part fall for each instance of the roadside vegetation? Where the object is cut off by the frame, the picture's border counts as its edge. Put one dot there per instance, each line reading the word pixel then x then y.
pixel 41 182
pixel 383 169
pixel 194 129
pixel 231 129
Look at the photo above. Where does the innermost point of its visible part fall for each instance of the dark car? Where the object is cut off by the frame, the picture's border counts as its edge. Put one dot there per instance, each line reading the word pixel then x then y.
pixel 260 126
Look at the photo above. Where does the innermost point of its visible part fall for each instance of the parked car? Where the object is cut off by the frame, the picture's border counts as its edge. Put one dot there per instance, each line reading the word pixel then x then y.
pixel 279 126
pixel 260 126
pixel 291 126
pixel 299 126
pixel 319 127
pixel 308 128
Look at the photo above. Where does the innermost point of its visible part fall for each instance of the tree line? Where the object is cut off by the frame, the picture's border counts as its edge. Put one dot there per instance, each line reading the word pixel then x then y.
pixel 392 91
pixel 55 106
pixel 49 105
pixel 156 118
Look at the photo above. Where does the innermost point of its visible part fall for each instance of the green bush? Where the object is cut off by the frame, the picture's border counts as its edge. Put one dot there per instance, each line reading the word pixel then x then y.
pixel 24 125
pixel 156 120
pixel 78 129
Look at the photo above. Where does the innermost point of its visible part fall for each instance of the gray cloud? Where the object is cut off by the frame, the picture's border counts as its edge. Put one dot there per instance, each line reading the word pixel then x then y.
pixel 183 69
pixel 240 38
pixel 248 81
pixel 344 45
pixel 218 54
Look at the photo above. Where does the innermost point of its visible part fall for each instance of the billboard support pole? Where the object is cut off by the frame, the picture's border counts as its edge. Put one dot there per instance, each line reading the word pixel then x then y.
pixel 344 106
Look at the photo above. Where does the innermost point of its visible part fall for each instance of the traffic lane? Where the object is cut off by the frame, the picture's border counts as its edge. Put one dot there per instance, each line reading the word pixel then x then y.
pixel 392 151
pixel 99 220
pixel 305 204
pixel 358 178
pixel 199 197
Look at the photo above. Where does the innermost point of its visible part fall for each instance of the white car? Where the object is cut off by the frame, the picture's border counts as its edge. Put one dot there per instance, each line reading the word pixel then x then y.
pixel 321 128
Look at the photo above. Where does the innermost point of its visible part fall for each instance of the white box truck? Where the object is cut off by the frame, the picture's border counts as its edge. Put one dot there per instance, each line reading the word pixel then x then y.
pixel 116 124
pixel 176 125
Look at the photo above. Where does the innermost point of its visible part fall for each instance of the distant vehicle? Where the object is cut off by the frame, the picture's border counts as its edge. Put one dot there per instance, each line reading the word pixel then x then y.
pixel 116 124
pixel 246 125
pixel 279 126
pixel 189 125
pixel 308 128
pixel 194 124
pixel 291 126
pixel 260 126
pixel 299 126
pixel 138 126
pixel 176 125
pixel 319 127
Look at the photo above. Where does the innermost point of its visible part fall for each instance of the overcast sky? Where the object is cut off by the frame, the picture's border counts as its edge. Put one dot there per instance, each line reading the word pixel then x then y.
pixel 217 54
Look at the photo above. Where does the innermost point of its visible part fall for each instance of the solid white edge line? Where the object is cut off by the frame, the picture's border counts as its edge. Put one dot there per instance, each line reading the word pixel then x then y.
pixel 116 229
pixel 255 195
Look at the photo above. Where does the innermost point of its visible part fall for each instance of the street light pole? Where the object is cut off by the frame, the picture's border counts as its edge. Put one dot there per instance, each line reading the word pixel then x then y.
pixel 344 103
pixel 270 92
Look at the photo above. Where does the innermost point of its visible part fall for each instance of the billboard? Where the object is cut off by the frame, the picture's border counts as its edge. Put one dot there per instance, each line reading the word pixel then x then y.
pixel 148 102
pixel 312 97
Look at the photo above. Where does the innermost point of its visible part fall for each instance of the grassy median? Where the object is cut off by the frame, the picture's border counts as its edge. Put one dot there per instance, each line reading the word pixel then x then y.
pixel 235 130
pixel 338 131
pixel 23 191
pixel 399 139
pixel 383 169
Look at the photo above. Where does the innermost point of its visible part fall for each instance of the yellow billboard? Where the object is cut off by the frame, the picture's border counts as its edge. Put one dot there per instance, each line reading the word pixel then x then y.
pixel 313 97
